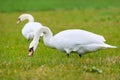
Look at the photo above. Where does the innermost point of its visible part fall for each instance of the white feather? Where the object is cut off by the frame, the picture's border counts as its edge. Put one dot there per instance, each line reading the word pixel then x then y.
pixel 29 28
pixel 74 40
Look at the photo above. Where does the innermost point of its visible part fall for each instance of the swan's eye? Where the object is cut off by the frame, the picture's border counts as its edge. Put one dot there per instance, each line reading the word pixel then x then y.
pixel 19 19
pixel 31 49
pixel 44 32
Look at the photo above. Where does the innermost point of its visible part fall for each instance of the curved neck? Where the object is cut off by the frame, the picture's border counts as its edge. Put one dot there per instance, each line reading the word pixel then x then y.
pixel 47 36
pixel 30 18
pixel 26 17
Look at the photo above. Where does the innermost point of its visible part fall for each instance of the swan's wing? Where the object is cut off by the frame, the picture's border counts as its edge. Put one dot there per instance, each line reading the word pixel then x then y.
pixel 79 37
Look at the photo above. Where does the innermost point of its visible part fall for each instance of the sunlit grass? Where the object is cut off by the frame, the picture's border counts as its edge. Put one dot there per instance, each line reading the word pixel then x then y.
pixel 51 64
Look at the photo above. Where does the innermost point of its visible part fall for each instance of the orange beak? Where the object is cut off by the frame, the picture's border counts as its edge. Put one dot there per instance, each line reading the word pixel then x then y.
pixel 31 51
pixel 18 21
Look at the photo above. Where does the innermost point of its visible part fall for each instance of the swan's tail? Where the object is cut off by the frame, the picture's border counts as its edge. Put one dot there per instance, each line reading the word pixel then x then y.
pixel 109 46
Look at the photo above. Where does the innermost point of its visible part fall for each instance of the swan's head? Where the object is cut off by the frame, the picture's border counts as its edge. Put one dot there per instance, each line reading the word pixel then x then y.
pixel 32 47
pixel 31 51
pixel 24 17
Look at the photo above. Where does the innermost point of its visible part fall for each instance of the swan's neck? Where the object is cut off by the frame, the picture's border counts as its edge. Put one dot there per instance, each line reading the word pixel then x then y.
pixel 30 18
pixel 27 17
pixel 47 37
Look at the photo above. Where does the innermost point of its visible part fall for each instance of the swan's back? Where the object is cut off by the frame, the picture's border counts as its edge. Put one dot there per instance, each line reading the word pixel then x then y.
pixel 79 41
pixel 76 36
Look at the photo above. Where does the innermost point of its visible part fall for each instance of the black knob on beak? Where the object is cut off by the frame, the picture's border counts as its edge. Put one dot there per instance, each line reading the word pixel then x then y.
pixel 31 51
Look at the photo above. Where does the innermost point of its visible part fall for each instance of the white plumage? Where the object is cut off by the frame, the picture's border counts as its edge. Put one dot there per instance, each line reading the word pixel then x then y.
pixel 74 40
pixel 29 28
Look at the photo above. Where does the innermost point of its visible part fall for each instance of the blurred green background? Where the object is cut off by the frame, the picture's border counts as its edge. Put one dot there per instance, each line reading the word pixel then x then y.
pixel 41 5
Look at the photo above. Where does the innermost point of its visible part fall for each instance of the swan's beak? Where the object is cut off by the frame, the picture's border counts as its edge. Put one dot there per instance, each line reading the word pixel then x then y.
pixel 31 51
pixel 18 21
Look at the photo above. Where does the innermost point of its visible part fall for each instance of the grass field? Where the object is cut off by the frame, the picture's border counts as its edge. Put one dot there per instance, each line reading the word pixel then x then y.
pixel 51 64
pixel 43 5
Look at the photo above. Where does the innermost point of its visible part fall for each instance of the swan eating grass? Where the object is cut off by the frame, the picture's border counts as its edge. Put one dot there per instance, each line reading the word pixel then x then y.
pixel 73 40
pixel 29 28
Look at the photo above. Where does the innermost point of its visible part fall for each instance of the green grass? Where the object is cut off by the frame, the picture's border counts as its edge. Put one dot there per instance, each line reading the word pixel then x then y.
pixel 51 64
pixel 43 5
pixel 101 17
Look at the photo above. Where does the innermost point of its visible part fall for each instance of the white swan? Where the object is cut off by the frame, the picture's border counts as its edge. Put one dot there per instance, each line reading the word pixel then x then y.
pixel 29 28
pixel 74 40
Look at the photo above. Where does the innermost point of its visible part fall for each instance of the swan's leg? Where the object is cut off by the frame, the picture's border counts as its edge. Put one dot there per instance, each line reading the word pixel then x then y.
pixel 67 52
pixel 39 40
pixel 67 55
pixel 80 55
pixel 28 39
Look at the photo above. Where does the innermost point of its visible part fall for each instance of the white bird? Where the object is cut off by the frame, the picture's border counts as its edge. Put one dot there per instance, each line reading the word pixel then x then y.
pixel 74 40
pixel 29 28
